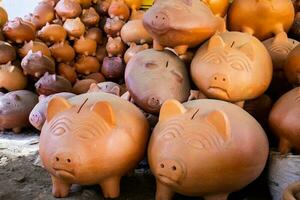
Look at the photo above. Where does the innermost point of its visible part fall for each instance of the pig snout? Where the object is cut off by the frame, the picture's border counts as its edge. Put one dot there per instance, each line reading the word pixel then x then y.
pixel 36 119
pixel 170 171
pixel 154 102
pixel 219 85
pixel 63 162
pixel 160 22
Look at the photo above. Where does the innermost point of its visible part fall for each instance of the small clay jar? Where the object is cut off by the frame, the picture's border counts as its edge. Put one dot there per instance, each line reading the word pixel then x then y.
pixel 82 86
pixel 12 77
pixel 115 47
pixel 95 34
pixel 101 53
pixel 74 27
pixel 7 53
pixel 218 7
pixel 68 9
pixel 3 16
pixel 103 6
pixel 98 77
pixel 87 65
pixel 119 9
pixel 52 33
pixel 68 72
pixel 85 46
pixel 134 4
pixel 292 67
pixel 42 14
pixel 133 50
pixel 62 52
pixel 113 68
pixel 134 32
pixel 34 46
pixel 19 30
pixel 51 84
pixel 90 17
pixel 36 64
pixel 113 26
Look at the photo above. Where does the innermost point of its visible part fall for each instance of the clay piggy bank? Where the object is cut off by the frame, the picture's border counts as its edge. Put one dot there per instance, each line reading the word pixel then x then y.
pixel 68 9
pixel 195 149
pixel 152 77
pixel 95 34
pixel 68 72
pixel 15 108
pixel 85 46
pixel 133 50
pixel 7 53
pixel 87 65
pixel 108 87
pixel 42 14
pixel 261 18
pixel 292 67
pixel 52 33
pixel 12 77
pixel 115 47
pixel 113 68
pixel 232 66
pixel 34 46
pixel 51 84
pixel 62 52
pixel 119 9
pixel 74 27
pixel 83 86
pixel 38 114
pixel 19 30
pixel 218 7
pixel 284 121
pixel 107 146
pixel 90 17
pixel 188 23
pixel 113 26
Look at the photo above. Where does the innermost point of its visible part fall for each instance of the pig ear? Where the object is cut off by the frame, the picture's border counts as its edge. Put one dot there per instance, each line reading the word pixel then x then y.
pixel 104 109
pixel 216 42
pixel 116 90
pixel 220 121
pixel 248 49
pixel 94 88
pixel 281 37
pixel 55 106
pixel 170 109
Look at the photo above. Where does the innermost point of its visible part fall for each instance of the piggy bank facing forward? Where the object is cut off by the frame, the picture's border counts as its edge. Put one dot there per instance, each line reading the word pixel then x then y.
pixel 94 138
pixel 181 24
pixel 232 66
pixel 205 148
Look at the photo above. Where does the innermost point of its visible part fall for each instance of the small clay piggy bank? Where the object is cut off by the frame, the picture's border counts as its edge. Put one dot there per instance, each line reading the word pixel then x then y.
pixel 152 77
pixel 42 14
pixel 12 77
pixel 133 50
pixel 68 9
pixel 15 108
pixel 292 67
pixel 267 17
pixel 113 26
pixel 108 87
pixel 74 27
pixel 113 68
pixel 19 30
pixel 85 46
pixel 93 138
pixel 52 33
pixel 51 84
pixel 232 66
pixel 38 114
pixel 284 121
pixel 62 52
pixel 87 65
pixel 180 24
pixel 34 46
pixel 218 7
pixel 119 9
pixel 195 149
pixel 83 86
pixel 90 17
pixel 7 53
pixel 115 47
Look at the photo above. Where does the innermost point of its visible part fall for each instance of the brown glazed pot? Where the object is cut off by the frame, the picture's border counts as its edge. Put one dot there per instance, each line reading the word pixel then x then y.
pixel 86 140
pixel 292 67
pixel 12 77
pixel 15 108
pixel 188 23
pixel 218 7
pixel 7 53
pixel 18 30
pixel 261 18
pixel 195 149
pixel 34 46
pixel 232 66
pixel 284 121
pixel 152 77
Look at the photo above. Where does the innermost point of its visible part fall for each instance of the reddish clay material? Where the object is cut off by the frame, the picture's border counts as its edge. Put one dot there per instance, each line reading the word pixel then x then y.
pixel 90 17
pixel 218 7
pixel 34 46
pixel 85 46
pixel 15 108
pixel 36 64
pixel 113 68
pixel 87 65
pixel 38 114
pixel 12 77
pixel 108 87
pixel 107 145
pixel 134 32
pixel 188 23
pixel 119 9
pixel 74 27
pixel 83 86
pixel 195 149
pixel 18 30
pixel 68 9
pixel 68 72
pixel 232 66
pixel 52 33
pixel 115 47
pixel 292 67
pixel 284 121
pixel 113 26
pixel 133 50
pixel 62 52
pixel 3 16
pixel 134 4
pixel 261 18
pixel 152 77
pixel 51 84
pixel 95 34
pixel 7 53
pixel 42 14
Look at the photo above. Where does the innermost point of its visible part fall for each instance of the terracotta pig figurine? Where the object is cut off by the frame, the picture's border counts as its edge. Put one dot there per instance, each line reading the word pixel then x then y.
pixel 113 26
pixel 15 108
pixel 82 86
pixel 232 66
pixel 86 140
pixel 267 17
pixel 133 50
pixel 113 68
pixel 195 149
pixel 115 47
pixel 152 77
pixel 7 53
pixel 108 87
pixel 38 114
pixel 181 24
pixel 119 9
pixel 12 77
pixel 284 121
pixel 292 67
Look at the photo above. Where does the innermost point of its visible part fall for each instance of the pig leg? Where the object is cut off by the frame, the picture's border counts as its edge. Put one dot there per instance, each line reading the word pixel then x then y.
pixel 180 50
pixel 111 187
pixel 284 146
pixel 217 197
pixel 157 46
pixel 163 192
pixel 60 189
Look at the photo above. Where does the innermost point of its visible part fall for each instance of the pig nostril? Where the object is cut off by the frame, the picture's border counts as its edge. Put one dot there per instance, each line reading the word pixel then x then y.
pixel 224 79
pixel 156 17
pixel 174 168
pixel 57 159
pixel 215 78
pixel 68 160
pixel 162 165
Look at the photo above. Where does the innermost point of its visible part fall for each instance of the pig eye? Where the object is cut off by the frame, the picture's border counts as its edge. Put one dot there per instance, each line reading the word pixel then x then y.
pixel 237 66
pixel 151 65
pixel 59 131
pixel 216 61
pixel 85 135
pixel 196 144
pixel 169 136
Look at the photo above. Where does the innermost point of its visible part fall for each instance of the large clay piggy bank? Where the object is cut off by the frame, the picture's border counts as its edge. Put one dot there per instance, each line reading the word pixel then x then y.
pixel 232 66
pixel 38 114
pixel 195 149
pixel 218 7
pixel 152 77
pixel 261 18
pixel 292 67
pixel 93 138
pixel 180 24
pixel 12 77
pixel 15 108
pixel 284 121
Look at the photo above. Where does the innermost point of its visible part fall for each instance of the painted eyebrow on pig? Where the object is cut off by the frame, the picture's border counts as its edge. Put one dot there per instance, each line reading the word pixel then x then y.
pixel 194 115
pixel 82 105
